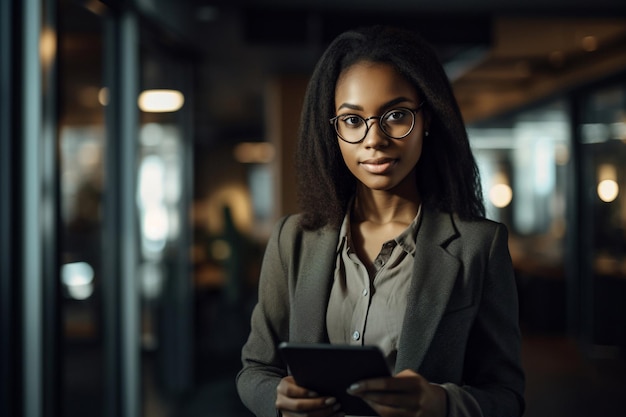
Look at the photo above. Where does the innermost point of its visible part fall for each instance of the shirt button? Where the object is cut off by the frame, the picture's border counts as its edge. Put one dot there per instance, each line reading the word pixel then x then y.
pixel 356 335
pixel 365 292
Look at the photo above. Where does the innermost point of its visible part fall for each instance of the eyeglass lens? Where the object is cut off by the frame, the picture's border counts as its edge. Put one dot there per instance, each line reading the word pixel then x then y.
pixel 395 123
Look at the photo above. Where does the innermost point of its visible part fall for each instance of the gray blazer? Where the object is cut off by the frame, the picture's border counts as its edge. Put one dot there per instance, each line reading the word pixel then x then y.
pixel 460 328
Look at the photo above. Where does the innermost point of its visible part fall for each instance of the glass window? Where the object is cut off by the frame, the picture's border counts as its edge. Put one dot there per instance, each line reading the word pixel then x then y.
pixel 524 164
pixel 163 201
pixel 603 153
pixel 81 147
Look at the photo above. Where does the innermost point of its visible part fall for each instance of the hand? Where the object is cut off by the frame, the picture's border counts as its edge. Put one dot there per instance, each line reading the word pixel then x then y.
pixel 406 394
pixel 294 400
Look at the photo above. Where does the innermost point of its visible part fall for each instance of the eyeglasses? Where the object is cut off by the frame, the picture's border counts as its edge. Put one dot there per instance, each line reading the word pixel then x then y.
pixel 395 123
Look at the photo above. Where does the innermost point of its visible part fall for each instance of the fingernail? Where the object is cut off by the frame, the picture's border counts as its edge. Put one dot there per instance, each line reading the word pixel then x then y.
pixel 354 387
pixel 331 400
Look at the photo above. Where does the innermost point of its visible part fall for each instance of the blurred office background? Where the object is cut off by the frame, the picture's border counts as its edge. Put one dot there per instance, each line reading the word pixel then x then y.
pixel 146 150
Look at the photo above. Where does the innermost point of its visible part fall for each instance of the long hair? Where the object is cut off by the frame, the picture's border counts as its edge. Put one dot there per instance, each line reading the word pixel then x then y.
pixel 447 175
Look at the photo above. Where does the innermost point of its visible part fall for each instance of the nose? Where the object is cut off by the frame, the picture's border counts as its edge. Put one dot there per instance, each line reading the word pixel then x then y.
pixel 374 137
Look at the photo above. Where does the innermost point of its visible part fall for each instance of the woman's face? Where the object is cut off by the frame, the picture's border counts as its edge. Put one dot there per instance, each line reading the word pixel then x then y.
pixel 379 162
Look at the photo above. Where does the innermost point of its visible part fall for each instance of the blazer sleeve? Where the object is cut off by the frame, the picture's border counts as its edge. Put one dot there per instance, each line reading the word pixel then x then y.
pixel 262 367
pixel 493 371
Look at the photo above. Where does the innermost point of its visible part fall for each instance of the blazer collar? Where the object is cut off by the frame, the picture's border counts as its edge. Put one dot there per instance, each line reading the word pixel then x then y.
pixel 433 281
pixel 317 265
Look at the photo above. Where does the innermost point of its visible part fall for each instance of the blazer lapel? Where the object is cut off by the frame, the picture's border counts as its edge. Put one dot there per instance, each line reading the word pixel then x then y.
pixel 433 280
pixel 318 255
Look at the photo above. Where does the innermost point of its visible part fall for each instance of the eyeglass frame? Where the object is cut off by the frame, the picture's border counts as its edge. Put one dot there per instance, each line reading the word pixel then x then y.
pixel 333 121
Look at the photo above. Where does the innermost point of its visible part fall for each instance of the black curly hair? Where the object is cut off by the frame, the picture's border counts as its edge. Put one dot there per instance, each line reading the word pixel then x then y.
pixel 447 175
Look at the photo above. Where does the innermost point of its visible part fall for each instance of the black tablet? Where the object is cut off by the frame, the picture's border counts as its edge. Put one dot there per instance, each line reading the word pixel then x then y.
pixel 330 369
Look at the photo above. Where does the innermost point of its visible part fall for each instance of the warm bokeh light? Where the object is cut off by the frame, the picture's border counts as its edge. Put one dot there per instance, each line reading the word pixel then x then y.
pixel 103 96
pixel 96 6
pixel 47 46
pixel 589 43
pixel 254 152
pixel 160 101
pixel 608 190
pixel 220 250
pixel 607 171
pixel 500 195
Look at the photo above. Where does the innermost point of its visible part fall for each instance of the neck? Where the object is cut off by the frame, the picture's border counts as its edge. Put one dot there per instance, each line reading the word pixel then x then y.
pixel 383 207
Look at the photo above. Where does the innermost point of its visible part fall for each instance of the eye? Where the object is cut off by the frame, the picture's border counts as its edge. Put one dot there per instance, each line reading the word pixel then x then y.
pixel 396 115
pixel 351 120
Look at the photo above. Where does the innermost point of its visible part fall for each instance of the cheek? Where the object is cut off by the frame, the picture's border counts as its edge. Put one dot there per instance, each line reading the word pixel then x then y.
pixel 414 149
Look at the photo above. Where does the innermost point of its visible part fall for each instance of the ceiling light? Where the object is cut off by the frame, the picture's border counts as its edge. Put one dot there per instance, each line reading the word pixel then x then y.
pixel 589 43
pixel 160 101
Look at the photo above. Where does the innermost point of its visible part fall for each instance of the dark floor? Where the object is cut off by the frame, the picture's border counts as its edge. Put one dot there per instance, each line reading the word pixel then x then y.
pixel 561 381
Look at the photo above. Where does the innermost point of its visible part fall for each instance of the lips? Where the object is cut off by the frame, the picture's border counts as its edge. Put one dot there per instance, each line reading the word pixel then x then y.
pixel 378 165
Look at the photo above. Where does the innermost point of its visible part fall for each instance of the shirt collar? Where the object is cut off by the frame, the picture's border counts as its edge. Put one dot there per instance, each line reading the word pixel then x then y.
pixel 406 239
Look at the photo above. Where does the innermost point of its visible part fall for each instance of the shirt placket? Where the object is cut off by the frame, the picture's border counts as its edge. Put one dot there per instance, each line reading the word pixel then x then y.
pixel 359 319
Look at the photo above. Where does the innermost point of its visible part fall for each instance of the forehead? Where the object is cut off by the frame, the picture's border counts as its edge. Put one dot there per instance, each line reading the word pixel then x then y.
pixel 369 83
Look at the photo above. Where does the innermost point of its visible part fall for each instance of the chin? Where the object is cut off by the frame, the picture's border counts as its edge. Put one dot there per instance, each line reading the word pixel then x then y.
pixel 379 185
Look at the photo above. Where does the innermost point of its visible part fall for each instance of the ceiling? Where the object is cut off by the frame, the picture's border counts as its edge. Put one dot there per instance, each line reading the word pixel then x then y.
pixel 500 55
pixel 532 58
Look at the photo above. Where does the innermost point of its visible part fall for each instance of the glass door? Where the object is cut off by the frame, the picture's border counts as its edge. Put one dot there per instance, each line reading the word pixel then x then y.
pixel 82 146
pixel 603 217
pixel 163 195
pixel 126 296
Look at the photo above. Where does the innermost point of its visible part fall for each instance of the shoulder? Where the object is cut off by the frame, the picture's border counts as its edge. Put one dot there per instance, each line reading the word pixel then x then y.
pixel 288 227
pixel 450 230
pixel 451 226
pixel 295 247
pixel 482 235
pixel 479 225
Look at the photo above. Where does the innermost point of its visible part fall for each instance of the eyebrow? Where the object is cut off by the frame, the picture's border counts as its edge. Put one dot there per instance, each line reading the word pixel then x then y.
pixel 384 106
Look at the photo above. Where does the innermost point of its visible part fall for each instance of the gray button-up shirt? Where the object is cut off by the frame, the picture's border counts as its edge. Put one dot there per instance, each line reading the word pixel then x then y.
pixel 368 308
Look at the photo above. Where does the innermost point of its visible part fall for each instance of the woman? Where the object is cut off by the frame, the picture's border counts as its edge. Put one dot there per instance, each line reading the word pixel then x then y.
pixel 391 248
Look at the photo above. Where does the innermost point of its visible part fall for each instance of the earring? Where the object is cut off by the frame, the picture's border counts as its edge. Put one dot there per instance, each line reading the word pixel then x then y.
pixel 426 133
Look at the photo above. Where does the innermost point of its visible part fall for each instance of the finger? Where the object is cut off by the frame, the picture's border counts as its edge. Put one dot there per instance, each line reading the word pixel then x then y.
pixel 406 380
pixel 380 384
pixel 316 407
pixel 389 410
pixel 332 413
pixel 288 387
pixel 390 399
pixel 429 398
